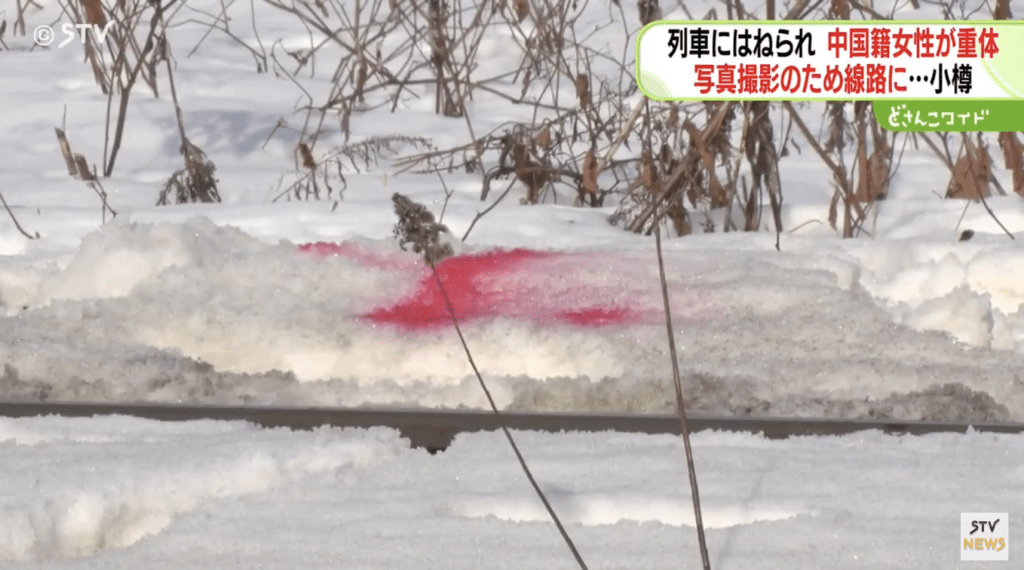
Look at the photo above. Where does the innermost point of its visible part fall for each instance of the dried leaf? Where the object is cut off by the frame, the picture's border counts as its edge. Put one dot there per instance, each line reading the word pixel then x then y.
pixel 1002 10
pixel 1013 157
pixel 543 138
pixel 521 9
pixel 649 11
pixel 84 172
pixel 971 174
pixel 583 90
pixel 841 8
pixel 588 183
pixel 648 173
pixel 94 12
pixel 65 149
pixel 306 156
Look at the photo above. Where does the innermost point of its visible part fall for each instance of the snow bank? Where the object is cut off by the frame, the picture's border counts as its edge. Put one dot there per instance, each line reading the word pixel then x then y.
pixel 196 312
pixel 91 506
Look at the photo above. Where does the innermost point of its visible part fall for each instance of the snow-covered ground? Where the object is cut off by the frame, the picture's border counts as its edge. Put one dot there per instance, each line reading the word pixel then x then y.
pixel 125 493
pixel 217 304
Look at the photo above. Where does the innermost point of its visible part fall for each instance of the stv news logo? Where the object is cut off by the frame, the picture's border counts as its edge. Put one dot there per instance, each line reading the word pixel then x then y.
pixel 985 536
pixel 44 35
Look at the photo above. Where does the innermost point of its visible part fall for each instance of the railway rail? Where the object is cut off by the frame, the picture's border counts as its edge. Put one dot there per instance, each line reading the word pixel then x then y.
pixel 434 430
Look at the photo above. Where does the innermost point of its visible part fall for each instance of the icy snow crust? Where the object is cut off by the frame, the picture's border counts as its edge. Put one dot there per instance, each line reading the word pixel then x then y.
pixel 195 312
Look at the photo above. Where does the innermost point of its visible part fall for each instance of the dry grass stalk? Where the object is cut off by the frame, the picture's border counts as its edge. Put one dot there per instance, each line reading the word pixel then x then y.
pixel 94 12
pixel 78 167
pixel 306 156
pixel 852 208
pixel 971 173
pixel 417 227
pixel 65 150
pixel 504 429
pixel 763 157
pixel 680 218
pixel 684 428
pixel 652 182
pixel 361 74
pixel 438 53
pixel 648 172
pixel 1013 157
pixel 759 160
pixel 448 94
pixel 766 161
pixel 873 169
pixel 872 177
pixel 715 191
pixel 720 122
pixel 84 172
pixel 15 220
pixel 533 174
pixel 590 171
pixel 89 176
pixel 949 164
pixel 1002 10
pixel 673 116
pixel 649 11
pixel 665 179
pixel 583 90
pixel 195 182
pixel 312 176
pixel 841 8
pixel 123 73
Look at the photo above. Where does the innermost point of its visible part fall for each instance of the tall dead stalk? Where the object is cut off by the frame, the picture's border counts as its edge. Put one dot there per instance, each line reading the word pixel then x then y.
pixel 416 226
pixel 684 426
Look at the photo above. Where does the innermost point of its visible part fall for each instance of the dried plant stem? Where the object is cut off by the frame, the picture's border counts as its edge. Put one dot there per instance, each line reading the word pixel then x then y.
pixel 479 215
pixel 838 172
pixel 949 164
pixel 973 168
pixel 623 133
pixel 15 220
pixel 504 428
pixel 126 89
pixel 683 425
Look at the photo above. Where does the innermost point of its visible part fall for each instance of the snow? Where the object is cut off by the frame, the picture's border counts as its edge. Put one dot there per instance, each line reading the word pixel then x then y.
pixel 117 492
pixel 230 304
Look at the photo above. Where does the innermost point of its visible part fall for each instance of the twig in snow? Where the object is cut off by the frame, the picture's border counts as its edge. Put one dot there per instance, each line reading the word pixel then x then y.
pixel 15 220
pixel 504 428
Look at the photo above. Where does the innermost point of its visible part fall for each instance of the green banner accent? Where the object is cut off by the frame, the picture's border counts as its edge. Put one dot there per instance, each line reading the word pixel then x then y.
pixel 918 116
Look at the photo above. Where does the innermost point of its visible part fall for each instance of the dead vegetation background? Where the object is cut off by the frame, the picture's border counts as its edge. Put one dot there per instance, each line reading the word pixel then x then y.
pixel 707 166
pixel 591 139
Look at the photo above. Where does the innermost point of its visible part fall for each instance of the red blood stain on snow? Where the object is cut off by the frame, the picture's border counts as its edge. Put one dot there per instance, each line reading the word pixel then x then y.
pixel 490 284
pixel 357 253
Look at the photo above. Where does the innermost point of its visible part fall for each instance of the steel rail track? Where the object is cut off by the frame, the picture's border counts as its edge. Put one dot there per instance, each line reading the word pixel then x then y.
pixel 434 430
